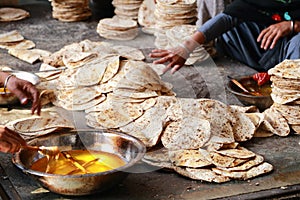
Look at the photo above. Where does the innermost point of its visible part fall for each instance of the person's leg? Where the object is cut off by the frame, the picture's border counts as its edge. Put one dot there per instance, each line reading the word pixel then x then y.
pixel 240 43
pixel 292 48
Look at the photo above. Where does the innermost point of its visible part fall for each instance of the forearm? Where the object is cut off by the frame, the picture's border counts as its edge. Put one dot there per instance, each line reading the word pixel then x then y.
pixel 218 25
pixel 210 30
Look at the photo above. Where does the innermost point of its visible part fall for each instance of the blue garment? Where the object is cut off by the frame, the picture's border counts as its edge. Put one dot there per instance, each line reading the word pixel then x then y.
pixel 238 40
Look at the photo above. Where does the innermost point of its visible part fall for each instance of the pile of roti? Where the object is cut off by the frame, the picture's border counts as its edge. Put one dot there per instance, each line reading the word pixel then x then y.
pixel 177 35
pixel 135 93
pixel 285 78
pixel 169 13
pixel 70 10
pixel 21 48
pixel 117 28
pixel 127 9
pixel 90 71
pixel 199 140
pixel 231 162
pixel 8 14
pixel 35 126
pixel 146 17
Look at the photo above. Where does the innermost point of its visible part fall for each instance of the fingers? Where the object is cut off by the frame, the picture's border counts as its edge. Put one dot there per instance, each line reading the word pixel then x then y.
pixel 175 69
pixel 26 91
pixel 164 59
pixel 35 97
pixel 268 39
pixel 158 53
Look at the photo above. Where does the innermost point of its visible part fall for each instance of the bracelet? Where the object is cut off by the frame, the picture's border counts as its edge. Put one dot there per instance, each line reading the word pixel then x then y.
pixel 292 26
pixel 186 49
pixel 6 81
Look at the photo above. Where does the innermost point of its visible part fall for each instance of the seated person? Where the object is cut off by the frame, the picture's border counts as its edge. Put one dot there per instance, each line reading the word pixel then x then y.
pixel 259 34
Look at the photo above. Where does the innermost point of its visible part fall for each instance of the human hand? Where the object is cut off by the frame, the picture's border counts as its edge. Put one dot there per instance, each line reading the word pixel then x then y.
pixel 25 91
pixel 10 141
pixel 176 56
pixel 270 35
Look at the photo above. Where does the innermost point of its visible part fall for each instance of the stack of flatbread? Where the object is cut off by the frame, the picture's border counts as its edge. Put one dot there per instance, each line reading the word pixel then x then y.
pixel 127 9
pixel 21 48
pixel 14 40
pixel 169 13
pixel 178 34
pixel 116 28
pixel 231 162
pixel 70 10
pixel 146 17
pixel 36 126
pixel 285 78
pixel 199 138
pixel 85 73
pixel 12 14
pixel 133 95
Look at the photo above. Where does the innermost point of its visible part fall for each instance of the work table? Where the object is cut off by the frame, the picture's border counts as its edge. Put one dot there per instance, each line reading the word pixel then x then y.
pixel 282 152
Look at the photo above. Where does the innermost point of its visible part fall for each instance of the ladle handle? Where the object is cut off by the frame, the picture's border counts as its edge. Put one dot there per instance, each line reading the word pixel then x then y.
pixel 239 85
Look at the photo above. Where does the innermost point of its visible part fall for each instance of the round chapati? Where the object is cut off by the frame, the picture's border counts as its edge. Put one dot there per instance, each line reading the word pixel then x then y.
pixel 201 174
pixel 188 158
pixel 12 14
pixel 245 175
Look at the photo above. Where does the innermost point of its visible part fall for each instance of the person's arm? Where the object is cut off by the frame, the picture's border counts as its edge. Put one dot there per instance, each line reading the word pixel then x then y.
pixel 10 141
pixel 270 35
pixel 210 30
pixel 24 90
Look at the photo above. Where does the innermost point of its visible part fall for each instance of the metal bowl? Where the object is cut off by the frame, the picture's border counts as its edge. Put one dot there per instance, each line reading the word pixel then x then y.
pixel 261 102
pixel 9 98
pixel 127 147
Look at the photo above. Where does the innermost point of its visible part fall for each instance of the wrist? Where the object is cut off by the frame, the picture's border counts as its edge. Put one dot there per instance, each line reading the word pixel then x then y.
pixel 187 50
pixel 296 26
pixel 292 27
pixel 6 82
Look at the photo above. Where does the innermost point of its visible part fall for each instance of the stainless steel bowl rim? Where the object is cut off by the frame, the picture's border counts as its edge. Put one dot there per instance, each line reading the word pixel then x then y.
pixel 129 164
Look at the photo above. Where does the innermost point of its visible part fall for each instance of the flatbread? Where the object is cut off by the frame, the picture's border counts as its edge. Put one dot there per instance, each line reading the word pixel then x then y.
pixel 223 161
pixel 23 44
pixel 29 55
pixel 130 53
pixel 11 36
pixel 201 174
pixel 279 125
pixel 243 127
pixel 91 73
pixel 75 59
pixel 148 128
pixel 158 157
pixel 245 175
pixel 12 14
pixel 186 133
pixel 286 69
pixel 40 124
pixel 112 68
pixel 242 153
pixel 258 159
pixel 188 158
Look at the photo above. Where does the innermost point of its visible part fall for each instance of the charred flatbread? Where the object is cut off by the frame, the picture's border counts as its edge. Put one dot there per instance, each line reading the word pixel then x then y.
pixel 188 158
pixel 245 175
pixel 201 174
